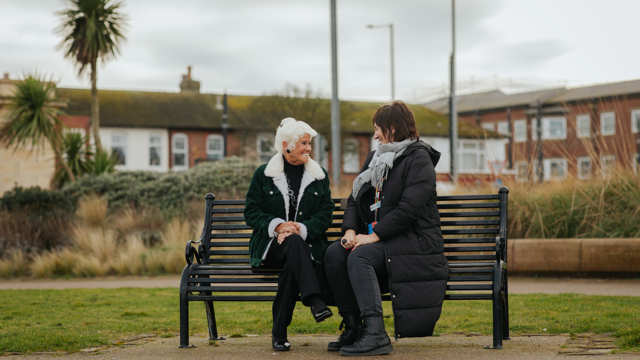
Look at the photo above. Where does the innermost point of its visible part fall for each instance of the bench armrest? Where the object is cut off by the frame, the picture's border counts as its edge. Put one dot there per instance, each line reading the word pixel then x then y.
pixel 190 252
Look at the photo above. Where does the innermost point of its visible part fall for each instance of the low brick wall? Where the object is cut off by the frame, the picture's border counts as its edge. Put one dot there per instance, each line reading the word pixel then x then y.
pixel 574 255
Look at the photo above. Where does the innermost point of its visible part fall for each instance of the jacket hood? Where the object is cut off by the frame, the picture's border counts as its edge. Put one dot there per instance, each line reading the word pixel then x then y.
pixel 418 145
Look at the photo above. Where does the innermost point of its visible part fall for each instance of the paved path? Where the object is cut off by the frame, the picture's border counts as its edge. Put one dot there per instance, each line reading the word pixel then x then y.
pixel 517 284
pixel 310 347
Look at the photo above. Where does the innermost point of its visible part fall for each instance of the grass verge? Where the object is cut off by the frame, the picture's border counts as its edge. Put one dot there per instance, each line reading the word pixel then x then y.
pixel 69 320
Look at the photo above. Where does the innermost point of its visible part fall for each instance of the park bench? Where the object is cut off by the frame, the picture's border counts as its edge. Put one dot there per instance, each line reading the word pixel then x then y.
pixel 474 228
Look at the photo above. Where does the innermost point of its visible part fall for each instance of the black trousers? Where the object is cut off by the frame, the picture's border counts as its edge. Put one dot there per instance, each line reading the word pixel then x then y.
pixel 298 276
pixel 357 277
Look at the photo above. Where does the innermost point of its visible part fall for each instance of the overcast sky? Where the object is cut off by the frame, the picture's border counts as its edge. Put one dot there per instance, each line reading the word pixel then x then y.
pixel 258 46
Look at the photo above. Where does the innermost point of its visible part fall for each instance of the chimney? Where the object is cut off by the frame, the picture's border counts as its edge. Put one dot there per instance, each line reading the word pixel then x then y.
pixel 188 85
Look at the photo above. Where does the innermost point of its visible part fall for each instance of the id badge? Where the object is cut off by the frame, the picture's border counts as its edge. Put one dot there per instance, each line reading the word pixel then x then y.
pixel 375 206
pixel 370 227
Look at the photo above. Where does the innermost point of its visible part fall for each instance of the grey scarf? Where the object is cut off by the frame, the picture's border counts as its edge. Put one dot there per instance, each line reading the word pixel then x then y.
pixel 380 165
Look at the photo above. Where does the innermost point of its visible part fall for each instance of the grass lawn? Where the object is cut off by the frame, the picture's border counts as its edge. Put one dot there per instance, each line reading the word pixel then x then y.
pixel 50 320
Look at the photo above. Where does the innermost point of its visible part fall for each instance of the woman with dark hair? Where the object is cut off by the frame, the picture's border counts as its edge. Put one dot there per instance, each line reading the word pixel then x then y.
pixel 289 208
pixel 392 241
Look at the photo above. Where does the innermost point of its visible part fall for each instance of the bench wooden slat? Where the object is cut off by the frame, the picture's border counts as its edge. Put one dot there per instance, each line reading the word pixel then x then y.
pixel 447 214
pixel 468 248
pixel 470 206
pixel 223 288
pixel 474 240
pixel 456 277
pixel 468 197
pixel 228 244
pixel 469 222
pixel 229 252
pixel 468 297
pixel 470 231
pixel 231 236
pixel 470 287
pixel 253 280
pixel 471 257
pixel 470 270
pixel 471 264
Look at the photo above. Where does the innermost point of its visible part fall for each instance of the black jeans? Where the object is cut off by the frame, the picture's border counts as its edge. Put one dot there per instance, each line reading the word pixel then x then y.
pixel 298 276
pixel 356 278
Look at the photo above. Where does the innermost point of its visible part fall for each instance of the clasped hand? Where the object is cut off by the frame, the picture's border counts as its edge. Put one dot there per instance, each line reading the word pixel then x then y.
pixel 287 228
pixel 352 241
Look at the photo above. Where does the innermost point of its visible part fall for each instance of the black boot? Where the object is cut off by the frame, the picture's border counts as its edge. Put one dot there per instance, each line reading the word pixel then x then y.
pixel 374 340
pixel 352 326
pixel 319 309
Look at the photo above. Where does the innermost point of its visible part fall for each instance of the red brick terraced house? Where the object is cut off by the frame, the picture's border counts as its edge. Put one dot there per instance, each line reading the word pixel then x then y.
pixel 585 131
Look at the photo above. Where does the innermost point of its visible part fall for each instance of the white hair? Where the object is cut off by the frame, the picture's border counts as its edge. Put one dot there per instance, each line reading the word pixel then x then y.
pixel 291 130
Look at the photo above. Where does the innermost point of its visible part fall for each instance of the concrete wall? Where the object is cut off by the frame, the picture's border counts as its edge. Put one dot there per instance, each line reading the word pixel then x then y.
pixel 574 255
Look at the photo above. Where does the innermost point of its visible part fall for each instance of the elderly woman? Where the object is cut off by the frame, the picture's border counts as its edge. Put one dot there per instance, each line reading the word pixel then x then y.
pixel 289 208
pixel 392 240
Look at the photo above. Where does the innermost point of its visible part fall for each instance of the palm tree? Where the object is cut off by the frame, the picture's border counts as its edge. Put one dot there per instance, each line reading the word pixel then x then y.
pixel 34 119
pixel 92 30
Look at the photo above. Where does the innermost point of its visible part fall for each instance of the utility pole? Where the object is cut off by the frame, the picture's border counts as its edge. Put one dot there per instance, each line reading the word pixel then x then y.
pixel 453 115
pixel 335 104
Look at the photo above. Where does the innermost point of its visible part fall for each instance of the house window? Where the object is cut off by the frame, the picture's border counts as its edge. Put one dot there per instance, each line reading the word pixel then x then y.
pixel 583 126
pixel 522 171
pixel 265 147
pixel 119 148
pixel 534 129
pixel 489 126
pixel 555 169
pixel 608 123
pixel 636 162
pixel 180 149
pixel 503 128
pixel 554 128
pixel 155 149
pixel 635 121
pixel 584 167
pixel 607 164
pixel 320 153
pixel 215 150
pixel 472 156
pixel 350 156
pixel 520 130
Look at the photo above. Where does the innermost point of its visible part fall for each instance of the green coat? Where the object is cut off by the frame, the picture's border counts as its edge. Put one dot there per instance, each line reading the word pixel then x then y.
pixel 266 200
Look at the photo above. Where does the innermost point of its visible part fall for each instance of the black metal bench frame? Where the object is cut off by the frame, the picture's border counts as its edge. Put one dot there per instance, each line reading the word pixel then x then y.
pixel 475 234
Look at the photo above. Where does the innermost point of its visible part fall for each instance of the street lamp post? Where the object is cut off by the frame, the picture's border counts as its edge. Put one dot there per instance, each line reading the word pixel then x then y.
pixel 391 55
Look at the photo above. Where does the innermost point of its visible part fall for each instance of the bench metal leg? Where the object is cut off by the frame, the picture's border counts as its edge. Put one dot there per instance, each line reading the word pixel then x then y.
pixel 505 306
pixel 497 309
pixel 211 320
pixel 184 310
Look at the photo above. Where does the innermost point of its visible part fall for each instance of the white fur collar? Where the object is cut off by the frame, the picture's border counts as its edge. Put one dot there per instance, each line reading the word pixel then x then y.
pixel 275 167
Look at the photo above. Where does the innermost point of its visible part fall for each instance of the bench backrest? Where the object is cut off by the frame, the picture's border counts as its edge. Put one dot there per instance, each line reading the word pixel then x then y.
pixel 474 228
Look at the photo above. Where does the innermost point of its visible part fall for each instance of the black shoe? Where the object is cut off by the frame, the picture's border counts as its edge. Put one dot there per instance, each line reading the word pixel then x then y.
pixel 352 326
pixel 281 345
pixel 322 314
pixel 374 340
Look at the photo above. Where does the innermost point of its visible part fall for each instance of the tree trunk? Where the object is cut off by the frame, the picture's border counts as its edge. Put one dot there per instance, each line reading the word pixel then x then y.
pixel 94 120
pixel 64 164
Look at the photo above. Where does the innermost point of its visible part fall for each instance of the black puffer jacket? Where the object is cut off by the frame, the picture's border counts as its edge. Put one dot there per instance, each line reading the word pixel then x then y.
pixel 409 227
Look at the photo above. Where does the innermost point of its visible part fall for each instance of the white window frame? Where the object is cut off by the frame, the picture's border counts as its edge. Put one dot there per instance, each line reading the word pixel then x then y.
pixel 579 162
pixel 479 151
pixel 635 121
pixel 520 130
pixel 265 156
pixel 124 146
pixel 610 160
pixel 605 117
pixel 158 146
pixel 519 165
pixel 503 128
pixel 583 126
pixel 546 167
pixel 184 151
pixel 489 126
pixel 350 160
pixel 213 155
pixel 546 127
